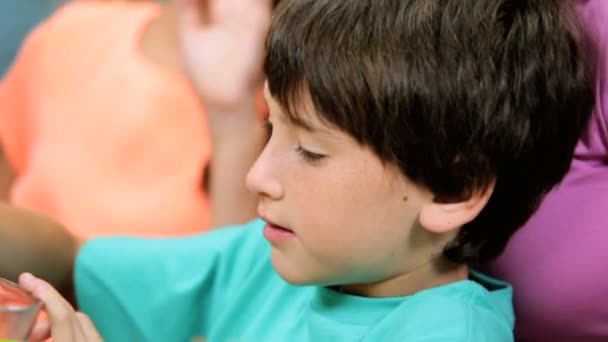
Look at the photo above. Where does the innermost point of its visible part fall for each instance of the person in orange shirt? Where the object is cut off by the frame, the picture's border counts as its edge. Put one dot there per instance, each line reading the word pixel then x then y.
pixel 102 130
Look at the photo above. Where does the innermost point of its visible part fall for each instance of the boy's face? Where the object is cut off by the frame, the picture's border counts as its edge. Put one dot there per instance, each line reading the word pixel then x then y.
pixel 349 218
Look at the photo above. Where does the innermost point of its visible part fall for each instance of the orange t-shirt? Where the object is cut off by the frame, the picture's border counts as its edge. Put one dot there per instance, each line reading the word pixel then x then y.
pixel 101 139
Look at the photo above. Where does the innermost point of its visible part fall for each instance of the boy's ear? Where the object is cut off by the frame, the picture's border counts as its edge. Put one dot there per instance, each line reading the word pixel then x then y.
pixel 442 216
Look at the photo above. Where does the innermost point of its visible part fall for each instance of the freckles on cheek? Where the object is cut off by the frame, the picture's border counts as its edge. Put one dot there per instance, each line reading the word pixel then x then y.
pixel 343 199
pixel 320 203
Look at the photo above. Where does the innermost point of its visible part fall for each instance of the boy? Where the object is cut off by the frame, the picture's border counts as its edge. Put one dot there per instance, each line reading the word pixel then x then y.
pixel 409 139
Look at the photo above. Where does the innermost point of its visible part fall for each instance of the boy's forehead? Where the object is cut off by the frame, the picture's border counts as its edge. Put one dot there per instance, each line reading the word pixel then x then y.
pixel 302 113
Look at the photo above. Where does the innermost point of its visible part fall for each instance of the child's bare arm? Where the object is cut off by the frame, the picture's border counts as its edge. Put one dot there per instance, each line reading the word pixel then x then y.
pixel 223 48
pixel 34 243
pixel 234 152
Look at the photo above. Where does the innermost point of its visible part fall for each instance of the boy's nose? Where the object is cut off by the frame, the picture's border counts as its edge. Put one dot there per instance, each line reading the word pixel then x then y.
pixel 262 177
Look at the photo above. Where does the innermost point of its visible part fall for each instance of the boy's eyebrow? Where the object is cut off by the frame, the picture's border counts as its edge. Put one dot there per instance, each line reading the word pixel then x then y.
pixel 298 121
pixel 295 120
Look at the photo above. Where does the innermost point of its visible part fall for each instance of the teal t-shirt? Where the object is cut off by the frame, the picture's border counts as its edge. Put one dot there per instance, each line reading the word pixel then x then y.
pixel 220 286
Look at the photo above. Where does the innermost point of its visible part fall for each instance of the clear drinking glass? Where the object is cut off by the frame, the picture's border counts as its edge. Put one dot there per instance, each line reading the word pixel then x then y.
pixel 18 312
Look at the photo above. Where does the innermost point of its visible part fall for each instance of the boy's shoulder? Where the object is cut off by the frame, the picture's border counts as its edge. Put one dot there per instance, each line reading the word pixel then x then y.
pixel 198 276
pixel 228 242
pixel 474 310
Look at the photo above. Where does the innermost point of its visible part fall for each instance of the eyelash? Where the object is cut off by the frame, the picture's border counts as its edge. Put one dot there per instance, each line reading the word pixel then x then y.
pixel 307 155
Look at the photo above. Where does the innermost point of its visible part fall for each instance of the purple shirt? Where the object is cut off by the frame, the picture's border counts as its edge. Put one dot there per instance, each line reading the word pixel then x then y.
pixel 558 262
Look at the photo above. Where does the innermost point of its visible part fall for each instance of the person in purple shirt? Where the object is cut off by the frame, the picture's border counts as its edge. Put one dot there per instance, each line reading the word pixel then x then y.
pixel 558 262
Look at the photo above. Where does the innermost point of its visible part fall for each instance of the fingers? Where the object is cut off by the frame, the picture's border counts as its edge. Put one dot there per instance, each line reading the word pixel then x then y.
pixel 204 12
pixel 59 310
pixel 191 16
pixel 223 57
pixel 41 331
pixel 186 15
pixel 65 323
pixel 195 13
pixel 87 327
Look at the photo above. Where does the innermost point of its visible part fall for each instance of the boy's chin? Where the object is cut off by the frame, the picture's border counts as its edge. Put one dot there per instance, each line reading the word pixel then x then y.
pixel 294 276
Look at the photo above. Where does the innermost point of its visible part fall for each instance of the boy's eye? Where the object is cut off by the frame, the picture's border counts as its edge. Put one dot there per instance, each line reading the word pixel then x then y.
pixel 309 156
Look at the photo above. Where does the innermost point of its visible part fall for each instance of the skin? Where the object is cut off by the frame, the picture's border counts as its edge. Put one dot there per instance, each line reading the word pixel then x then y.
pixel 353 219
pixel 7 176
pixel 229 102
pixel 162 44
pixel 346 218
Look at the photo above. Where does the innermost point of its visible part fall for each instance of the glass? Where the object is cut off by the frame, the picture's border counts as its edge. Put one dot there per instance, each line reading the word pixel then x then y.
pixel 18 312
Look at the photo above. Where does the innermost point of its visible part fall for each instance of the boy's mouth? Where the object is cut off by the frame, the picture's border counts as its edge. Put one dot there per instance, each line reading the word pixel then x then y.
pixel 276 234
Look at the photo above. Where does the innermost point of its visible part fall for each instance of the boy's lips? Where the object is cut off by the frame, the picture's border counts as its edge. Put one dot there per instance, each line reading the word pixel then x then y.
pixel 275 233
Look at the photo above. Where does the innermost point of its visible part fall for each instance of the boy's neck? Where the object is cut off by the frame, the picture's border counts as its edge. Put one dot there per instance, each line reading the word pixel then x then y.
pixel 159 43
pixel 422 278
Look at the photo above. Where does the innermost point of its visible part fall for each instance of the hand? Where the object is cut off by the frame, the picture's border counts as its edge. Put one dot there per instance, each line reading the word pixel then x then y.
pixel 222 43
pixel 63 323
pixel 223 48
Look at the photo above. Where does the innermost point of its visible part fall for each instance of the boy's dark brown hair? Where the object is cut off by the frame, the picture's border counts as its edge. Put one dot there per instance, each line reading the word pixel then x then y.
pixel 457 93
